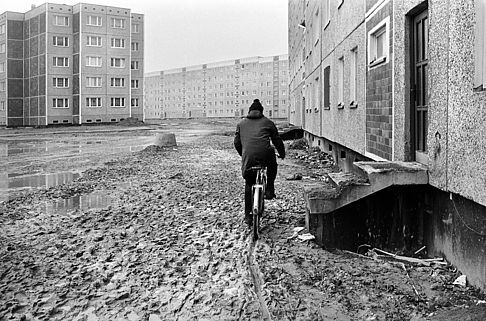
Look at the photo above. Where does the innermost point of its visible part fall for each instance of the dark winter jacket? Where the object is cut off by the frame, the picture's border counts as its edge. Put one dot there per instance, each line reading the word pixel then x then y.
pixel 252 141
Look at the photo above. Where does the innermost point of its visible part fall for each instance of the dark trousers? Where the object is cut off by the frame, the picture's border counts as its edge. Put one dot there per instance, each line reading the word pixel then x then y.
pixel 250 179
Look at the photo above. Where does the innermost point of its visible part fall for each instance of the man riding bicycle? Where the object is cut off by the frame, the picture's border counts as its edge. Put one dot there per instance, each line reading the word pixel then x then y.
pixel 252 141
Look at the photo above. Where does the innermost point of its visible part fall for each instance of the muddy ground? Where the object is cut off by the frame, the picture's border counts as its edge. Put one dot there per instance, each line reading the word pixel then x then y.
pixel 170 243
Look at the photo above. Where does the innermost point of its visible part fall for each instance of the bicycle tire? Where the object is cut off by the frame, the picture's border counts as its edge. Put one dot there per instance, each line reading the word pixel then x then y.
pixel 256 226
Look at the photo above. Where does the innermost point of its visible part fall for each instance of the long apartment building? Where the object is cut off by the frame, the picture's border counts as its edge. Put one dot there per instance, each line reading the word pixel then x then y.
pixel 221 89
pixel 62 64
pixel 388 80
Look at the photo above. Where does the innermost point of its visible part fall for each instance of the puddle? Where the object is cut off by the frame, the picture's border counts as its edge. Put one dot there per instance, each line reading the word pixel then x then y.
pixel 12 183
pixel 80 202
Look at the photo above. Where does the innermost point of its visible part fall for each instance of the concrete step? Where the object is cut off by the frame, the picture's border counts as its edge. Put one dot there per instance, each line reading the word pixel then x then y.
pixel 367 178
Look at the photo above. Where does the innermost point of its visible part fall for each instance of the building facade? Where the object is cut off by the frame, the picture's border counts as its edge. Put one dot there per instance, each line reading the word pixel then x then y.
pixel 401 80
pixel 62 64
pixel 222 89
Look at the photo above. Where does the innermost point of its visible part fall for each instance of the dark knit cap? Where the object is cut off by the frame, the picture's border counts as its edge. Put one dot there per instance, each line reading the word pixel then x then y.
pixel 256 105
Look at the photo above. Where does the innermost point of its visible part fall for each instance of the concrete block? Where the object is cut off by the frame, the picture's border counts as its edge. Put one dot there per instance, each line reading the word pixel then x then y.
pixel 165 140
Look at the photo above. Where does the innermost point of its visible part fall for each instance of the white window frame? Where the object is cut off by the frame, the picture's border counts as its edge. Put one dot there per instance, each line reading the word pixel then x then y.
pixel 316 27
pixel 135 28
pixel 135 46
pixel 91 59
pixel 98 102
pixel 3 47
pixel 326 13
pixel 61 20
pixel 65 60
pixel 382 28
pixel 135 83
pixel 94 41
pixel 118 43
pixel 3 86
pixel 2 105
pixel 118 23
pixel 135 102
pixel 65 102
pixel 60 41
pixel 2 67
pixel 120 100
pixel 118 82
pixel 134 65
pixel 479 83
pixel 3 28
pixel 94 20
pixel 93 82
pixel 353 78
pixel 120 64
pixel 340 82
pixel 60 82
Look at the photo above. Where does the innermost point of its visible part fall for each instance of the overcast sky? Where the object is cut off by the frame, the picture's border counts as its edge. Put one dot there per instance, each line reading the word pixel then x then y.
pixel 191 32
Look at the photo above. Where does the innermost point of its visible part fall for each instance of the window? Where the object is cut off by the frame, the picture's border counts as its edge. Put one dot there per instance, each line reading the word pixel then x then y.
pixel 94 20
pixel 327 87
pixel 134 65
pixel 118 62
pixel 135 28
pixel 2 67
pixel 93 61
pixel 117 82
pixel 2 29
pixel 60 61
pixel 117 43
pixel 117 102
pixel 93 81
pixel 135 46
pixel 378 43
pixel 326 13
pixel 134 102
pixel 316 27
pixel 60 103
pixel 134 83
pixel 2 48
pixel 353 78
pixel 60 82
pixel 61 20
pixel 340 82
pixel 2 86
pixel 94 41
pixel 60 41
pixel 480 46
pixel 93 102
pixel 118 23
pixel 2 105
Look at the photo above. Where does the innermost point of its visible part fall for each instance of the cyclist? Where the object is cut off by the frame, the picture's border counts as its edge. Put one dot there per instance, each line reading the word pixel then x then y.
pixel 252 141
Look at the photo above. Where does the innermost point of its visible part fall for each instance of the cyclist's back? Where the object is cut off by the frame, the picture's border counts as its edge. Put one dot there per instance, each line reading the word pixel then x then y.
pixel 252 141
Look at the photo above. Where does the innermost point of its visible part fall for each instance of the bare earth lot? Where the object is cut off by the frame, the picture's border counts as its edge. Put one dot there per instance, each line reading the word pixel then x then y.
pixel 164 240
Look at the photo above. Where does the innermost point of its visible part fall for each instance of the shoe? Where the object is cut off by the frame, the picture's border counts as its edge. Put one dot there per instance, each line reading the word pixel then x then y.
pixel 269 196
pixel 249 219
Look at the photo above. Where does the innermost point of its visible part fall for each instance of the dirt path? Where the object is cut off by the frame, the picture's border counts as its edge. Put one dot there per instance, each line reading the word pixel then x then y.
pixel 172 246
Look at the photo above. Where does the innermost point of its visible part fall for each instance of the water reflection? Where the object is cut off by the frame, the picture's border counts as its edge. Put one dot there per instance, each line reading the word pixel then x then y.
pixel 12 183
pixel 80 202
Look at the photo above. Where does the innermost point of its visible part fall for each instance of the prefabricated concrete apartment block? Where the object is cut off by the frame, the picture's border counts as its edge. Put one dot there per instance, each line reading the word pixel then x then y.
pixel 62 64
pixel 399 81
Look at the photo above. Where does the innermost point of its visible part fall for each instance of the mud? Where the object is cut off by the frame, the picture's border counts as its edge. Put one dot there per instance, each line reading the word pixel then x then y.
pixel 166 241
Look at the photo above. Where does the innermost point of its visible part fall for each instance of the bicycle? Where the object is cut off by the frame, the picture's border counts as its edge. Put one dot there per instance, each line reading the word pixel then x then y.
pixel 258 197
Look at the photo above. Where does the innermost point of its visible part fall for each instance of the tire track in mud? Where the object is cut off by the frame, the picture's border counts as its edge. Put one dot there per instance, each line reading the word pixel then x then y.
pixel 257 278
